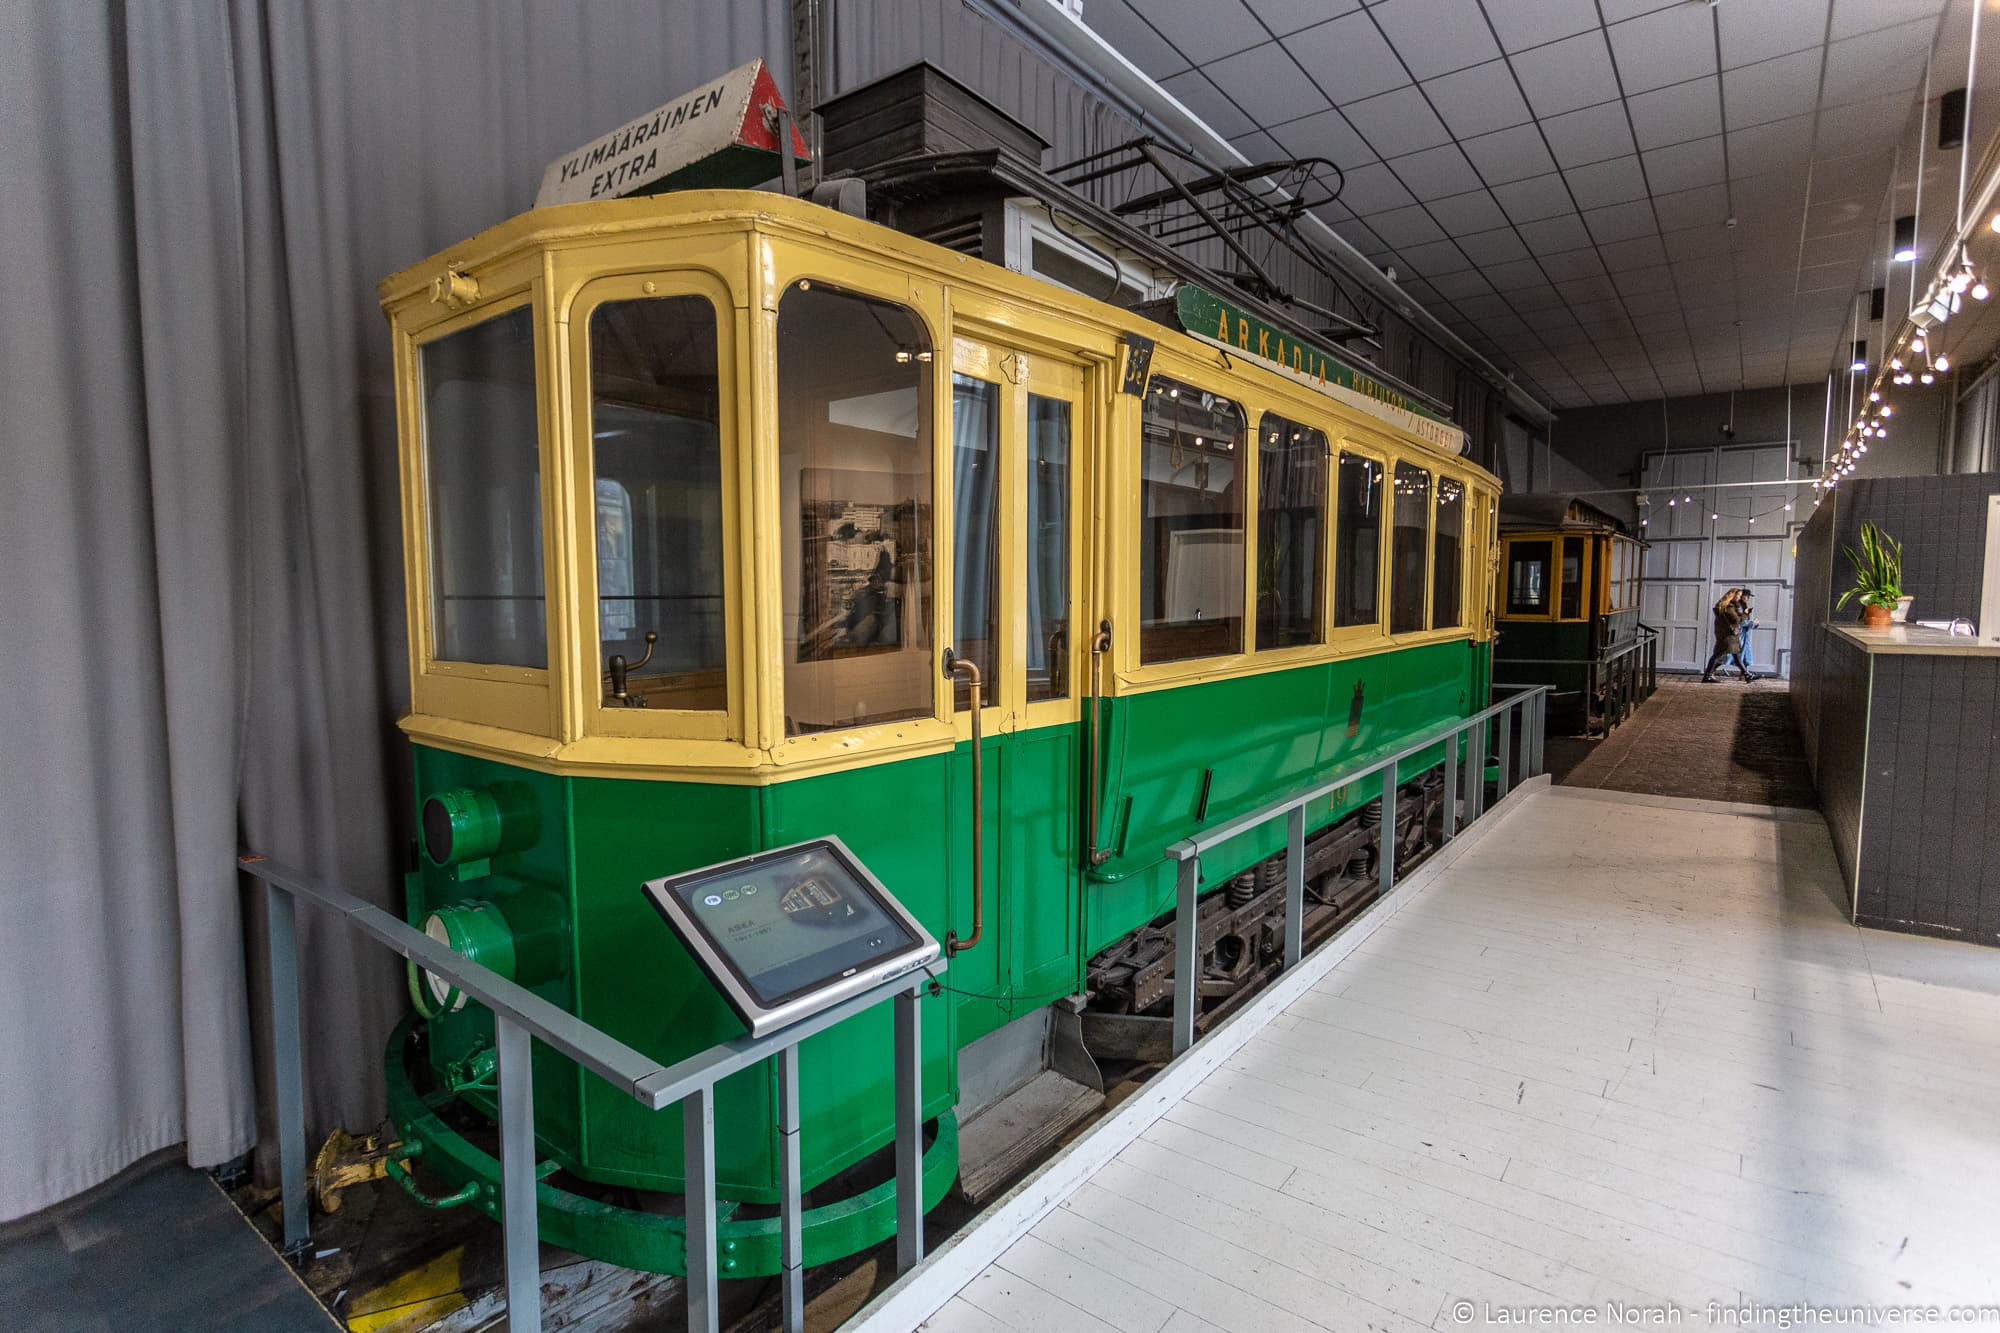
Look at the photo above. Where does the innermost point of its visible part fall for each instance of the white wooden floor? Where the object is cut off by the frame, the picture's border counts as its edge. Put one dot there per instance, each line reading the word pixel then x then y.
pixel 1625 1052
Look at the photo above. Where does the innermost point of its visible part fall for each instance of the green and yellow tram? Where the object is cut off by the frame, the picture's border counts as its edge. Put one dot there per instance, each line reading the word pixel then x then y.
pixel 697 490
pixel 1567 610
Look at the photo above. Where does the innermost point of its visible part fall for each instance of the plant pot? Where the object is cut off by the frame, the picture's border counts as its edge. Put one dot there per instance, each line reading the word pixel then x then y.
pixel 1874 617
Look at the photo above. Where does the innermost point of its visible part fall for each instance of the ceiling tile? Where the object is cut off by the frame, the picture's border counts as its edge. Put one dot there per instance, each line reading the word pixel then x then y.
pixel 1462 286
pixel 1537 197
pixel 1614 181
pixel 1889 61
pixel 1692 208
pixel 1853 16
pixel 1535 300
pixel 1640 280
pixel 1405 227
pixel 1139 41
pixel 1484 308
pixel 1436 36
pixel 1478 100
pixel 1465 214
pixel 1373 189
pixel 1510 155
pixel 1621 222
pixel 1420 291
pixel 1639 253
pixel 1549 236
pixel 1204 31
pixel 1193 91
pixel 1684 166
pixel 1589 135
pixel 1773 90
pixel 1435 258
pixel 1770 28
pixel 1348 58
pixel 1498 246
pixel 1697 243
pixel 1525 23
pixel 1519 273
pixel 1771 146
pixel 1325 135
pixel 1871 125
pixel 1436 172
pixel 1666 46
pixel 1847 247
pixel 1657 301
pixel 1833 216
pixel 1773 200
pixel 1674 115
pixel 1397 122
pixel 1288 16
pixel 1565 75
pixel 1573 264
pixel 1267 83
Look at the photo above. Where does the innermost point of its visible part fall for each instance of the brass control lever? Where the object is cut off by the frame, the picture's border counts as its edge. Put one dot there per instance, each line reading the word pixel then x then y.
pixel 619 671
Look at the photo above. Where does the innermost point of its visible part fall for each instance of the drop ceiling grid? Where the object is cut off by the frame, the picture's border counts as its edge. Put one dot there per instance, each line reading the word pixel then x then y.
pixel 1604 124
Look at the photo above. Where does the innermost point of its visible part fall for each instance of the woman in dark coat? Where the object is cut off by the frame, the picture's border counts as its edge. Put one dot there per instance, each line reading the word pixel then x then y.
pixel 1729 617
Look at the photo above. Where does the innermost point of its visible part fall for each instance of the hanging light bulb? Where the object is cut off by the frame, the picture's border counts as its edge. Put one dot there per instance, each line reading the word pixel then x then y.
pixel 1888 411
pixel 1960 281
pixel 1788 506
pixel 1917 343
pixel 1942 363
pixel 1874 395
pixel 1926 377
pixel 1980 291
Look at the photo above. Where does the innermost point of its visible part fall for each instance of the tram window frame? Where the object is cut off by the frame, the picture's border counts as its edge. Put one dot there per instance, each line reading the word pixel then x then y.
pixel 438 638
pixel 1163 640
pixel 1461 503
pixel 912 547
pixel 1413 491
pixel 1572 601
pixel 1375 622
pixel 1511 554
pixel 715 687
pixel 1309 453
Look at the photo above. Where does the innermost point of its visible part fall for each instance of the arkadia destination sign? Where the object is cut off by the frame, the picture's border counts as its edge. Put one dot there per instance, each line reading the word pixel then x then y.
pixel 714 137
pixel 1214 320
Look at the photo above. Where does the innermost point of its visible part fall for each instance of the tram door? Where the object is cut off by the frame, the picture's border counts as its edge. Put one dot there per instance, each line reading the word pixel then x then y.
pixel 1017 424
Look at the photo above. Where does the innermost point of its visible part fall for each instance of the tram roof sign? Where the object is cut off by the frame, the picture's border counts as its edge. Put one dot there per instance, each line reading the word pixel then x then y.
pixel 713 137
pixel 1213 320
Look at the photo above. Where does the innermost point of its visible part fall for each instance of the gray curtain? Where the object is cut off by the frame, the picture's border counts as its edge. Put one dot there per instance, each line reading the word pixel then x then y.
pixel 201 617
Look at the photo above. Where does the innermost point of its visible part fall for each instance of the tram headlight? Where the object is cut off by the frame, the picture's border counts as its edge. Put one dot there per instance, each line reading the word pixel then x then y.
pixel 476 930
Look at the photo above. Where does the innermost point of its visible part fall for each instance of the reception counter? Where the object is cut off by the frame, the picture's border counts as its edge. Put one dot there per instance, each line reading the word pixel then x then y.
pixel 1908 765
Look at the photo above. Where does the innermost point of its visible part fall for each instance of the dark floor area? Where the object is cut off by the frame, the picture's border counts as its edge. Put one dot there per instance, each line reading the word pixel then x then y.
pixel 159 1248
pixel 1728 741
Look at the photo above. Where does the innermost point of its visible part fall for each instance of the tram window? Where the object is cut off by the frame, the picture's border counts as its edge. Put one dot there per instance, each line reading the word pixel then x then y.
pixel 1048 548
pixel 1572 578
pixel 1409 549
pixel 1291 532
pixel 1191 524
pixel 483 464
pixel 1447 555
pixel 1357 542
pixel 975 529
pixel 656 441
pixel 1528 578
pixel 855 495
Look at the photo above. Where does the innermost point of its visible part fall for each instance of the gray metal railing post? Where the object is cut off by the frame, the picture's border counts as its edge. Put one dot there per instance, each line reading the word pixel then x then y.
pixel 1450 802
pixel 288 1071
pixel 698 1202
pixel 516 1095
pixel 791 1231
pixel 1475 770
pixel 1541 733
pixel 1295 885
pixel 1186 955
pixel 1503 738
pixel 909 1131
pixel 1386 870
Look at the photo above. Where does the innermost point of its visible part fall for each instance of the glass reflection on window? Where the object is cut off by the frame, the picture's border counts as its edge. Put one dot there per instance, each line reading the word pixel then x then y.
pixel 1357 538
pixel 1447 555
pixel 975 530
pixel 1291 532
pixel 1528 578
pixel 1409 549
pixel 1190 524
pixel 1048 547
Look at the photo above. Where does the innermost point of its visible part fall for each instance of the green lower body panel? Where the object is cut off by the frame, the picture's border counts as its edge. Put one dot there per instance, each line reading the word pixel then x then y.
pixel 634 1239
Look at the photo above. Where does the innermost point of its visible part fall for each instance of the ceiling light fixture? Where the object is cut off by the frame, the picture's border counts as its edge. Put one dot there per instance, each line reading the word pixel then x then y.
pixel 1905 248
pixel 1942 363
pixel 1860 356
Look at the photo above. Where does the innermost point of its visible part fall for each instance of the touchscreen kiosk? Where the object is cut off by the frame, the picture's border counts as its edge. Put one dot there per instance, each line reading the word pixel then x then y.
pixel 789 932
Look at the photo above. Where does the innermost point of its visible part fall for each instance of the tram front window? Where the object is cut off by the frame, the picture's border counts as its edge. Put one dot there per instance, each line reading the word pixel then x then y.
pixel 482 467
pixel 1528 578
pixel 656 439
pixel 854 496
pixel 1291 531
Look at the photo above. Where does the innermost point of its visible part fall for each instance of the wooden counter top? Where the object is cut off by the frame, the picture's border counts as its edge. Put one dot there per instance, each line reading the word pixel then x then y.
pixel 1916 639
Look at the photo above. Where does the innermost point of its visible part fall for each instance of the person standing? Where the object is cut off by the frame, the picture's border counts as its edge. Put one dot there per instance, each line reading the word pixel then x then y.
pixel 1728 637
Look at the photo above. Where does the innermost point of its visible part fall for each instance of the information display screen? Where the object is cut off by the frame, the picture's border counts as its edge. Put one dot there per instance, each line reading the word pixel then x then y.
pixel 791 931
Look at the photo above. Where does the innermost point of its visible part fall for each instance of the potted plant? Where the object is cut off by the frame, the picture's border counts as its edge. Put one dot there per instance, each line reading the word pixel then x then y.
pixel 1878 576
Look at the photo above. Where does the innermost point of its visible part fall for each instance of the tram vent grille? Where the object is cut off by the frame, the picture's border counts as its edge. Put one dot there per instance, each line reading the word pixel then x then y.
pixel 965 235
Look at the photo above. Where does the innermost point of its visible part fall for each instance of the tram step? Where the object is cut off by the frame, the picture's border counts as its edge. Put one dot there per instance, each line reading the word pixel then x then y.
pixel 1002 1141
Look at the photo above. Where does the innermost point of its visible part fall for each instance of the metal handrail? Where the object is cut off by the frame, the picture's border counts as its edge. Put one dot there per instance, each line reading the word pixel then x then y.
pixel 1531 702
pixel 519 1017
